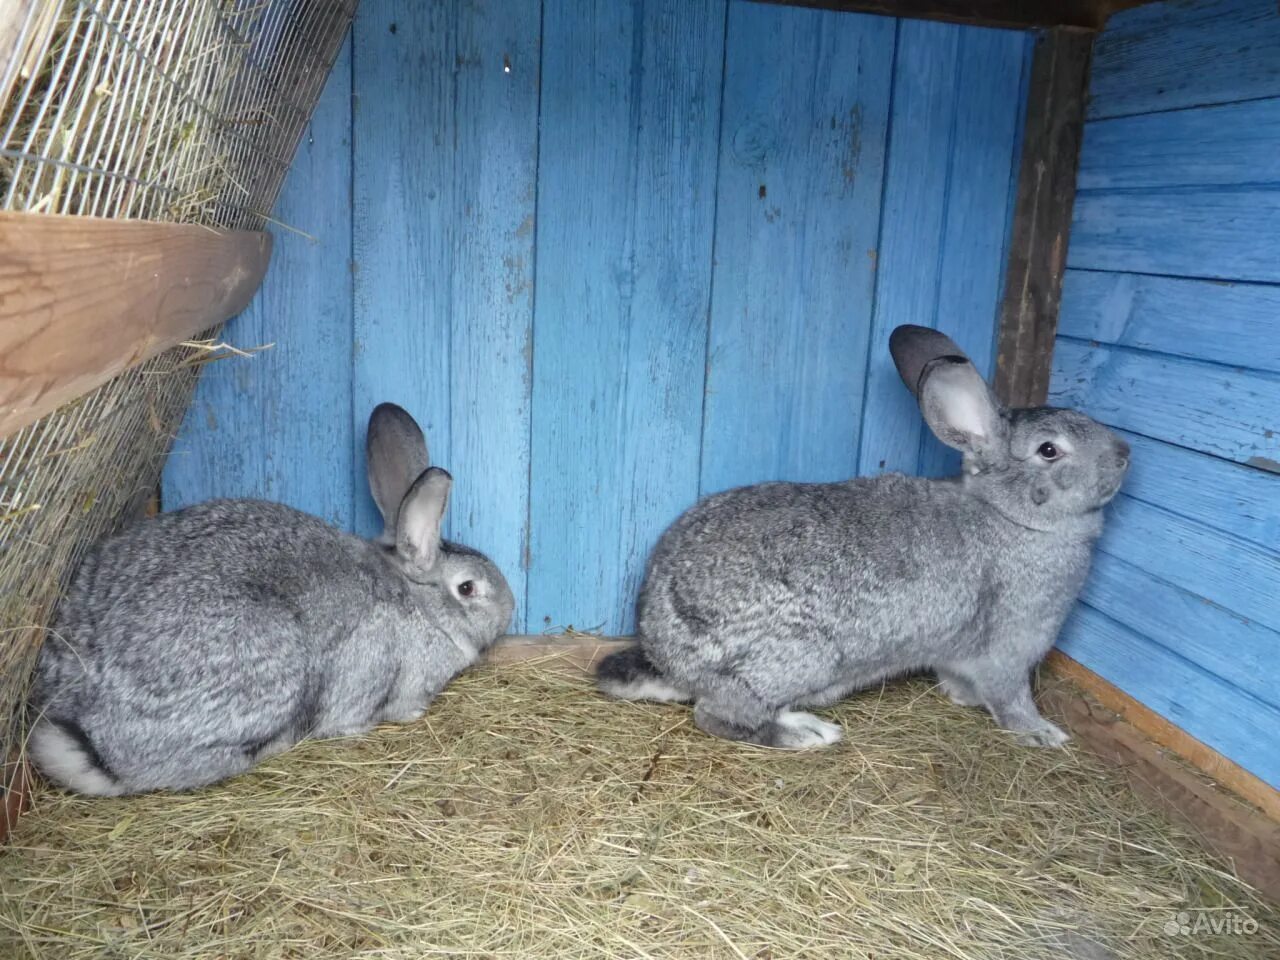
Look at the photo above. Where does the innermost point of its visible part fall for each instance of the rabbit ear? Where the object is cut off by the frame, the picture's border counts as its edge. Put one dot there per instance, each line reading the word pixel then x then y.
pixel 397 455
pixel 421 514
pixel 956 402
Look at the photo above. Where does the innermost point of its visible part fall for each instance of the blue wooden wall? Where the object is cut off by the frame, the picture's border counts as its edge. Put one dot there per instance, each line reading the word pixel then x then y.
pixel 615 254
pixel 1170 331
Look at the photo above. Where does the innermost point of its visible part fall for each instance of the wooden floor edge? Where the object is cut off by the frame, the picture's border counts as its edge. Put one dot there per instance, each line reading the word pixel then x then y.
pixel 1168 735
pixel 1226 823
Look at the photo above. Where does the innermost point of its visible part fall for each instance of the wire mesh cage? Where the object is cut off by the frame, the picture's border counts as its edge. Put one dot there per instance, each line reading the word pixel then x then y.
pixel 185 111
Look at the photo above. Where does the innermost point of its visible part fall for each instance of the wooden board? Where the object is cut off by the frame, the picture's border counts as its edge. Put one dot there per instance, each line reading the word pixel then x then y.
pixel 801 169
pixel 626 198
pixel 1238 726
pixel 952 151
pixel 1231 497
pixel 1236 143
pixel 445 162
pixel 1077 14
pixel 277 424
pixel 1222 233
pixel 1166 56
pixel 909 255
pixel 1042 219
pixel 1226 411
pixel 1118 728
pixel 1234 648
pixel 1220 568
pixel 83 299
pixel 1169 315
pixel 991 73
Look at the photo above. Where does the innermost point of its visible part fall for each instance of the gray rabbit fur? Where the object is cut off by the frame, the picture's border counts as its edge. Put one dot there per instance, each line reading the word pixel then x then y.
pixel 770 598
pixel 192 645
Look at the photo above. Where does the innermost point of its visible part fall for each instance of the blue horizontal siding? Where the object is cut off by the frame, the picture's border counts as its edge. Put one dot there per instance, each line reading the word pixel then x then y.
pixel 1164 56
pixel 1219 714
pixel 1170 331
pixel 1229 323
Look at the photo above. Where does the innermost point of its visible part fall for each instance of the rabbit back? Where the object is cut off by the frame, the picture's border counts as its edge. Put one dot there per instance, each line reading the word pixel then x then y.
pixel 806 592
pixel 190 646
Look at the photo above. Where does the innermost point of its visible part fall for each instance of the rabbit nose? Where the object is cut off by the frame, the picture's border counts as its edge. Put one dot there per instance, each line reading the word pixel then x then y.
pixel 1122 453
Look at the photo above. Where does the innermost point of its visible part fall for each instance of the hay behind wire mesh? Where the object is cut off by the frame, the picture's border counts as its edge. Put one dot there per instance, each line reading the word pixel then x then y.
pixel 527 817
pixel 171 110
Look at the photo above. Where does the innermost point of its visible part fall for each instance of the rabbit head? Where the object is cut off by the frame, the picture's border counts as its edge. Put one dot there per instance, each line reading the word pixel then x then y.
pixel 412 496
pixel 1040 467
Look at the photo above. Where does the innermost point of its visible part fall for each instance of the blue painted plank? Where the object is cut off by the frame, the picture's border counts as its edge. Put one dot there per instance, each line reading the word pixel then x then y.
pixel 1232 144
pixel 1230 497
pixel 1225 233
pixel 909 258
pixel 1241 652
pixel 1172 315
pixel 1226 411
pixel 1168 55
pixel 626 204
pixel 985 151
pixel 445 174
pixel 806 97
pixel 1233 573
pixel 278 424
pixel 1224 717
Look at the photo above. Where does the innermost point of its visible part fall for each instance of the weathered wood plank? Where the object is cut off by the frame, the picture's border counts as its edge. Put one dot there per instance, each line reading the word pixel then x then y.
pixel 445 192
pixel 1231 144
pixel 1114 729
pixel 1042 219
pixel 1233 573
pixel 1165 56
pixel 277 424
pixel 626 206
pixel 985 143
pixel 1193 699
pixel 1079 14
pixel 1228 496
pixel 83 299
pixel 1226 411
pixel 1241 652
pixel 910 253
pixel 1223 233
pixel 801 166
pixel 1237 324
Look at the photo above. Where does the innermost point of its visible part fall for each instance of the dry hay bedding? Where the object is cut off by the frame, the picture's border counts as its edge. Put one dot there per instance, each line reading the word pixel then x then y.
pixel 528 817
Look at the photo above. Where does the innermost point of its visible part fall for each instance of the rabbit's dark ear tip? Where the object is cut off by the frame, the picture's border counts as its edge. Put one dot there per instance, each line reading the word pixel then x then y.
pixel 388 410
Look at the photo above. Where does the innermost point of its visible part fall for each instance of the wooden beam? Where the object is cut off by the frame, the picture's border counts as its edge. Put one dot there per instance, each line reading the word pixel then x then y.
pixel 1225 825
pixel 1042 217
pixel 82 299
pixel 578 653
pixel 1078 15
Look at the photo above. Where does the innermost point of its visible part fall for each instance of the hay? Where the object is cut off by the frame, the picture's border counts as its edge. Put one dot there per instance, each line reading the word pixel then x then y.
pixel 527 817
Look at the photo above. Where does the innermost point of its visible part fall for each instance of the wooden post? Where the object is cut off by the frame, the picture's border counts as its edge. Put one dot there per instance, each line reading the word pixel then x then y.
pixel 1042 217
pixel 82 299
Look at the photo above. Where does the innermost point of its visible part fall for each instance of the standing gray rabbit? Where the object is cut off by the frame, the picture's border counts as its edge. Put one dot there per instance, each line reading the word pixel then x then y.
pixel 192 645
pixel 765 599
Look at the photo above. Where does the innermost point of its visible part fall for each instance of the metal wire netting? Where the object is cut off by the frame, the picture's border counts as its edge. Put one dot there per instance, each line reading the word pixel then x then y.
pixel 170 110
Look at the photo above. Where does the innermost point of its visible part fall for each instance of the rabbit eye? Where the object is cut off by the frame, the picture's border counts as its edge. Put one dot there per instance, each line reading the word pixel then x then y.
pixel 467 587
pixel 1048 451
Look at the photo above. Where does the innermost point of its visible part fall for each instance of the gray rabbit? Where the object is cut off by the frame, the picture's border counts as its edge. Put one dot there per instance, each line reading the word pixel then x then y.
pixel 766 599
pixel 192 645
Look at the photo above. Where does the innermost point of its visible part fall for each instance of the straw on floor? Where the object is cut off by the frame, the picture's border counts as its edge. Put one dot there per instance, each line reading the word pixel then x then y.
pixel 527 817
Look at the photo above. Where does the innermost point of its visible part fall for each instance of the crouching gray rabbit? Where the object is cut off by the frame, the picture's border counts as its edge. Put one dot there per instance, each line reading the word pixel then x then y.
pixel 192 645
pixel 764 600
